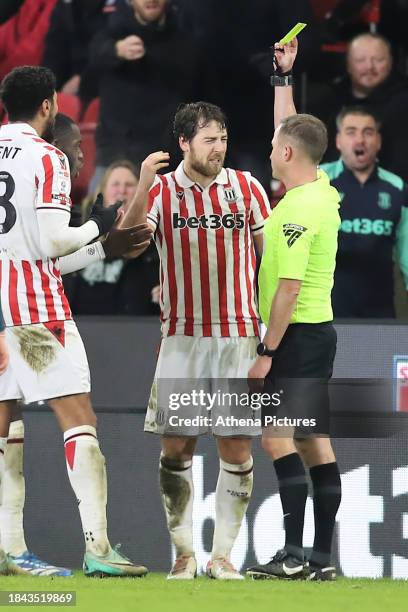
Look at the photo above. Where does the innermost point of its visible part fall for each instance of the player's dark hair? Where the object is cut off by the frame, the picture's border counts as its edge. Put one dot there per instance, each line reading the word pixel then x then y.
pixel 24 89
pixel 63 125
pixel 356 110
pixel 191 117
pixel 308 133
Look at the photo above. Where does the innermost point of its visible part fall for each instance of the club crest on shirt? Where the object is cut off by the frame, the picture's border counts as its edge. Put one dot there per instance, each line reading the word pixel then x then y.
pixel 62 161
pixel 180 195
pixel 384 200
pixel 292 231
pixel 230 195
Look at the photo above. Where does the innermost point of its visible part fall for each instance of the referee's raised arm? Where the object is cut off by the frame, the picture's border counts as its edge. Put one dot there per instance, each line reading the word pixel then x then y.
pixel 295 358
pixel 282 79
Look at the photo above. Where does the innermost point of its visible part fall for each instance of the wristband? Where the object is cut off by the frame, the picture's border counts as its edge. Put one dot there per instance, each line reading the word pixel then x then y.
pixel 282 80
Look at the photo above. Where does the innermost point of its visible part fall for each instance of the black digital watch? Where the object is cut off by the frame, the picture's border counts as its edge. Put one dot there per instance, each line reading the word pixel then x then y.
pixel 263 350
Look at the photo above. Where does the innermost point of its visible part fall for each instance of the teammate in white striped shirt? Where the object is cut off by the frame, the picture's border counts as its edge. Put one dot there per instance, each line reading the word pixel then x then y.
pixel 47 357
pixel 119 242
pixel 207 220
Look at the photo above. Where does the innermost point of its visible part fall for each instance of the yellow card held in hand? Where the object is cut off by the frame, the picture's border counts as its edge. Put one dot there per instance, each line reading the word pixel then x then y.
pixel 292 33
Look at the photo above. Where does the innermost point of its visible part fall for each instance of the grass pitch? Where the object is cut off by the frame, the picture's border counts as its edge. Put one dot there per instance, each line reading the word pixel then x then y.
pixel 155 593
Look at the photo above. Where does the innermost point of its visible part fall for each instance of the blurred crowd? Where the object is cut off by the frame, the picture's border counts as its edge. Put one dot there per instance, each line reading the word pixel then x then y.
pixel 124 66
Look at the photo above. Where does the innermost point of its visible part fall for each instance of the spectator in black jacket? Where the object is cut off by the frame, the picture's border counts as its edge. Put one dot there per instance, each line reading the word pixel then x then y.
pixel 147 68
pixel 73 25
pixel 370 82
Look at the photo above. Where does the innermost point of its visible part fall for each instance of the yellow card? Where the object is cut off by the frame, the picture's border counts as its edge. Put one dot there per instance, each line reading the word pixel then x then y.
pixel 292 33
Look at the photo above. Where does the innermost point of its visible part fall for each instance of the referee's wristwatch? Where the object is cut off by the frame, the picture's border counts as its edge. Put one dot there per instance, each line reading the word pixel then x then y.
pixel 263 350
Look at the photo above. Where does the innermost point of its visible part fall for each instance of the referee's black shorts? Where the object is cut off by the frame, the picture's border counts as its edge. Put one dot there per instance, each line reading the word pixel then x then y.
pixel 300 372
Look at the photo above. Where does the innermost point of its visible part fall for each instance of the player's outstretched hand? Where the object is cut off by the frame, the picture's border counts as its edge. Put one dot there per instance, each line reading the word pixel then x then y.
pixel 4 354
pixel 129 241
pixel 285 55
pixel 104 216
pixel 150 167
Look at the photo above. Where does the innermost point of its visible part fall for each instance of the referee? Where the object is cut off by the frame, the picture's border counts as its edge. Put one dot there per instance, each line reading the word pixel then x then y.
pixel 295 282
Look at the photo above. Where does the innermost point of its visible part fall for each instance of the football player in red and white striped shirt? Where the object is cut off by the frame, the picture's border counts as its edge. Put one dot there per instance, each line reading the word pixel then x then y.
pixel 207 220
pixel 47 356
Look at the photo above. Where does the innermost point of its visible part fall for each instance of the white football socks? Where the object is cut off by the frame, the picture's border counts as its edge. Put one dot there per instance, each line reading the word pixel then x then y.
pixel 3 444
pixel 87 475
pixel 234 488
pixel 11 510
pixel 177 491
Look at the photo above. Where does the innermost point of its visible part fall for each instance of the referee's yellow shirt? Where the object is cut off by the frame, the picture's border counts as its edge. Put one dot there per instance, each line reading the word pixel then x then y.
pixel 300 242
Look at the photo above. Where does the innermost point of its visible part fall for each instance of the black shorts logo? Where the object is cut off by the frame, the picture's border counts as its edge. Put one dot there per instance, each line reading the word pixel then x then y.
pixel 293 231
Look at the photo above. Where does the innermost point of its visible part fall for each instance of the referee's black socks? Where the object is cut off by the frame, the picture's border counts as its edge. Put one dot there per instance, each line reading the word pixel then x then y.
pixel 326 501
pixel 293 493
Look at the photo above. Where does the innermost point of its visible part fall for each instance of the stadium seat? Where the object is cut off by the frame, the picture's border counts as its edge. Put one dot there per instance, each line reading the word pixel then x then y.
pixel 322 7
pixel 69 105
pixel 369 16
pixel 91 114
pixel 80 185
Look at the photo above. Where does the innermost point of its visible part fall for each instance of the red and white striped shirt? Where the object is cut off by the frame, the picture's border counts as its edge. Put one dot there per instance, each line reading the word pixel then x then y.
pixel 207 271
pixel 33 175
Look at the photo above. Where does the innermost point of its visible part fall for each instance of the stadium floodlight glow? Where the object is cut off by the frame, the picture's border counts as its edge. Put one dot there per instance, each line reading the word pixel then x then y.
pixel 292 33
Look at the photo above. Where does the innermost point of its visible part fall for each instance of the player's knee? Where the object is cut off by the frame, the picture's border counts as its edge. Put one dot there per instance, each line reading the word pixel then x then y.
pixel 277 447
pixel 269 446
pixel 234 450
pixel 178 449
pixel 315 451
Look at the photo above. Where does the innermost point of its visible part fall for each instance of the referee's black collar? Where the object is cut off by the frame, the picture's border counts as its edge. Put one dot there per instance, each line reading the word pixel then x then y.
pixel 350 174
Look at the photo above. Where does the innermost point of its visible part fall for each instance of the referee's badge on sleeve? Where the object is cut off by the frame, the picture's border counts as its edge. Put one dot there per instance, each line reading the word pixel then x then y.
pixel 292 231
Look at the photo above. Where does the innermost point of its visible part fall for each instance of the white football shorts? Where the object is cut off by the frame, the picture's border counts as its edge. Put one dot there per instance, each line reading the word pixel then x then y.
pixel 47 360
pixel 193 381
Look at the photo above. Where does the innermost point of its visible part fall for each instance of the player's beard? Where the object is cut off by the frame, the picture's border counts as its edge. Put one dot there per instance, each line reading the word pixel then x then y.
pixel 48 133
pixel 206 169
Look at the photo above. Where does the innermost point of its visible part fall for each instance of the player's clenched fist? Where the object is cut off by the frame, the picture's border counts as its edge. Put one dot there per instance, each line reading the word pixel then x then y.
pixel 285 55
pixel 150 167
pixel 130 48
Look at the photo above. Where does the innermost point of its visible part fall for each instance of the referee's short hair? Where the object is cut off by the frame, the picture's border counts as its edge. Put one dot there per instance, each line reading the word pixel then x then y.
pixel 191 117
pixel 308 133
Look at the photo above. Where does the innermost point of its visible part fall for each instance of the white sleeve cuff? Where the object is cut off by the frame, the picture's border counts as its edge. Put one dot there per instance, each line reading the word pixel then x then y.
pixel 82 258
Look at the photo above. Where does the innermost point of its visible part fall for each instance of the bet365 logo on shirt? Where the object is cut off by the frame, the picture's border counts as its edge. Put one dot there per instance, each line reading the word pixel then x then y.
pixel 212 222
pixel 378 227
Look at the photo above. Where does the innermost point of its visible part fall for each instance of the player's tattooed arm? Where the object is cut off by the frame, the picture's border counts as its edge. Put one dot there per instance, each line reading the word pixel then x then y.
pixel 284 105
pixel 137 210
